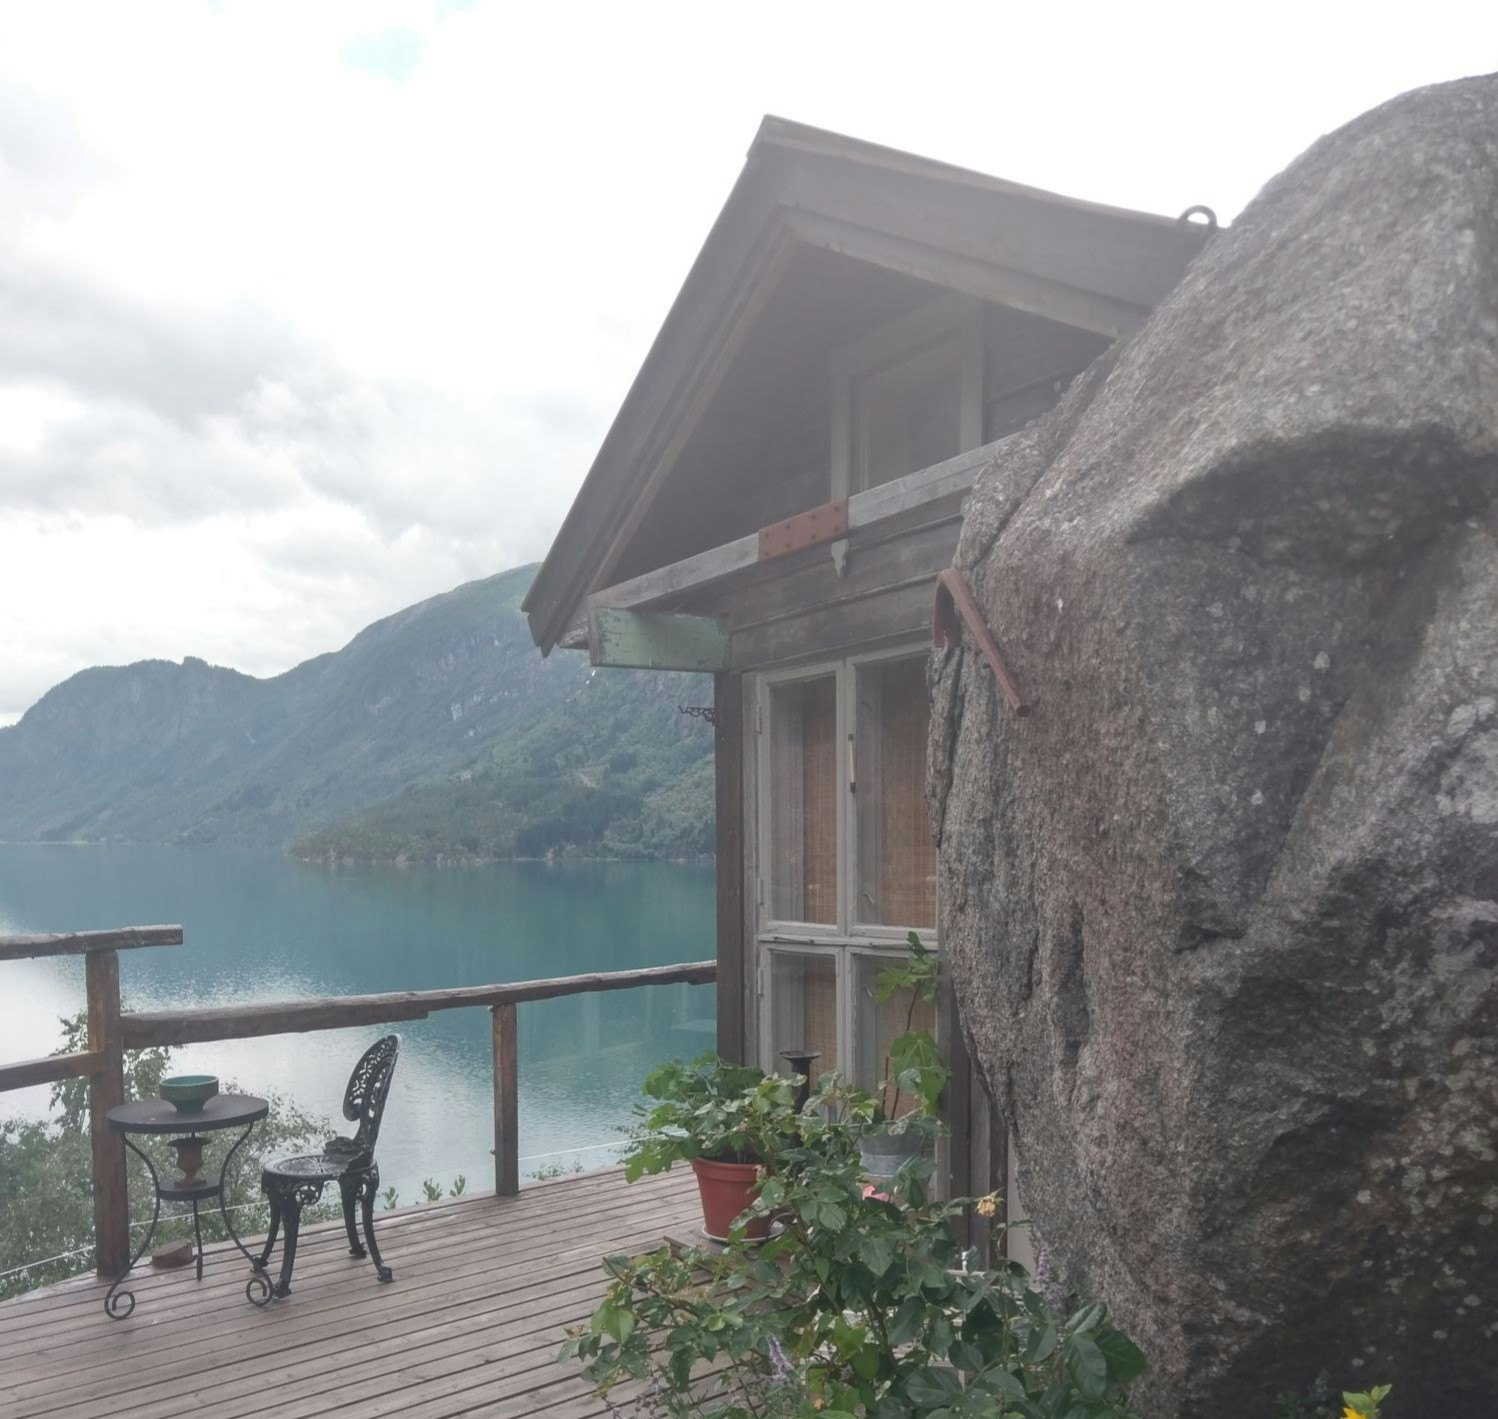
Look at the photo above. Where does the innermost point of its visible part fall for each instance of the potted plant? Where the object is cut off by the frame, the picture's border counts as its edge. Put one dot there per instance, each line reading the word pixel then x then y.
pixel 913 1073
pixel 727 1121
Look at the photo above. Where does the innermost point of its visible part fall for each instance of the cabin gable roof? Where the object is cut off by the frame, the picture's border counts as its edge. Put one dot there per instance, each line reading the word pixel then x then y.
pixel 1083 264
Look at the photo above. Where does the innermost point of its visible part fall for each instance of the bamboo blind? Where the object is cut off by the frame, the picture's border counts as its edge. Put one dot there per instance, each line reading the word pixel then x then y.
pixel 803 794
pixel 897 859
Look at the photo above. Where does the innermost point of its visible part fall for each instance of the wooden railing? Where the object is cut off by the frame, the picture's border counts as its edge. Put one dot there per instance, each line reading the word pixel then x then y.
pixel 111 1032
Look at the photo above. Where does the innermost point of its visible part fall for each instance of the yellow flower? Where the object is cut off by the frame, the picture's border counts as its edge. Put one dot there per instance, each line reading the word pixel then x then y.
pixel 1351 1413
pixel 987 1206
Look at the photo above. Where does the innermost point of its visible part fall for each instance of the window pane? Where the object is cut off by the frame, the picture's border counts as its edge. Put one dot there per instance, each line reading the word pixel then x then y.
pixel 896 857
pixel 803 1008
pixel 803 801
pixel 910 414
pixel 877 1026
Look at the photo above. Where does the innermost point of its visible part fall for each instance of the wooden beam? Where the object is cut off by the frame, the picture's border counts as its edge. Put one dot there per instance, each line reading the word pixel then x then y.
pixel 106 1090
pixel 866 512
pixel 728 783
pixel 655 640
pixel 50 1069
pixel 506 1101
pixel 79 943
pixel 285 1017
pixel 1003 285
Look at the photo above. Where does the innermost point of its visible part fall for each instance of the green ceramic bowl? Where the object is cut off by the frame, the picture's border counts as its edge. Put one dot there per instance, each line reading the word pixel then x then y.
pixel 189 1092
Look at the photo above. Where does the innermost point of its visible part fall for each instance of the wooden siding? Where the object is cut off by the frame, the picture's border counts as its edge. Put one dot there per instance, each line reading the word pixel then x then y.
pixel 484 1290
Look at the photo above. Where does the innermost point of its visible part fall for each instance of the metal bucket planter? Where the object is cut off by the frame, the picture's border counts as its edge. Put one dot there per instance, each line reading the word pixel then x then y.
pixel 884 1150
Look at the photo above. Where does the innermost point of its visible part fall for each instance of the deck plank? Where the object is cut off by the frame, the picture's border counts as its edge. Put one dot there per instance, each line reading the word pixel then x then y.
pixel 485 1288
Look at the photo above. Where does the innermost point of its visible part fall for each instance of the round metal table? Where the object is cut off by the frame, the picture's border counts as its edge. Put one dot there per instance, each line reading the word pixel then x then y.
pixel 222 1111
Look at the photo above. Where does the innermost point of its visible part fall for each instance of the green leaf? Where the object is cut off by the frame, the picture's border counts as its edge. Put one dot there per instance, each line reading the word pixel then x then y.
pixel 1086 1318
pixel 907 1322
pixel 1004 1383
pixel 1125 1359
pixel 617 1322
pixel 1086 1365
pixel 932 1388
pixel 867 1362
pixel 966 1356
pixel 878 1254
pixel 1041 1344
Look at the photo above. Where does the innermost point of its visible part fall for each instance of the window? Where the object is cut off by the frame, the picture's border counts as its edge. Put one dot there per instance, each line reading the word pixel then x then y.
pixel 846 864
pixel 896 879
pixel 803 1005
pixel 908 415
pixel 908 395
pixel 803 800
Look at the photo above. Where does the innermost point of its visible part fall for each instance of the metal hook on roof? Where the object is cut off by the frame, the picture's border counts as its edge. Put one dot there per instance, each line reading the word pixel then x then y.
pixel 1187 218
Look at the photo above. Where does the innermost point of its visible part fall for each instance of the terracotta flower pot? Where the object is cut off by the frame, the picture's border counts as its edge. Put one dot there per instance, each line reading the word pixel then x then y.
pixel 728 1189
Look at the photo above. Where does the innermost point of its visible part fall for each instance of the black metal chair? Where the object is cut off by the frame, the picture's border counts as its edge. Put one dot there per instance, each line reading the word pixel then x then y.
pixel 291 1184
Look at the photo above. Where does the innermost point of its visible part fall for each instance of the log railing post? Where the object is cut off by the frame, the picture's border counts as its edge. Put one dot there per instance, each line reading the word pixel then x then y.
pixel 106 1088
pixel 506 1102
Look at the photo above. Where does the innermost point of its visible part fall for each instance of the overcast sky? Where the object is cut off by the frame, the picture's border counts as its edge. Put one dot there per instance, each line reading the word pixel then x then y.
pixel 309 311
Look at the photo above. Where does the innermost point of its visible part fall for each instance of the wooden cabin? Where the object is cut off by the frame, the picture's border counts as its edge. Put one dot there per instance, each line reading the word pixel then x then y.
pixel 773 503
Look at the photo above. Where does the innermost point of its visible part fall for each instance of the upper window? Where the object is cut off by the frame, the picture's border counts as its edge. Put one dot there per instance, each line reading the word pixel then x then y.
pixel 908 395
pixel 908 415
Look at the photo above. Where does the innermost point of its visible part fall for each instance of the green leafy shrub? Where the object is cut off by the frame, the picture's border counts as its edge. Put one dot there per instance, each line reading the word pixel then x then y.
pixel 860 1302
pixel 709 1109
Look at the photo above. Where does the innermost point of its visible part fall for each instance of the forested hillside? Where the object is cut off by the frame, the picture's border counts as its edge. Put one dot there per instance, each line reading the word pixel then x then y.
pixel 438 732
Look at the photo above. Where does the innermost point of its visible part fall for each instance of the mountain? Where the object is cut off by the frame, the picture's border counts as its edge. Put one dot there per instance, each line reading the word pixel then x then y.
pixel 437 732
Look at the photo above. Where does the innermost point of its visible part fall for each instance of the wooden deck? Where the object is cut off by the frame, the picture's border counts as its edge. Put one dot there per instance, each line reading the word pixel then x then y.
pixel 484 1289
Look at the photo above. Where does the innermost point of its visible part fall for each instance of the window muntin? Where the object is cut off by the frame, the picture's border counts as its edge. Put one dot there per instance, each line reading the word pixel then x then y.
pixel 895 874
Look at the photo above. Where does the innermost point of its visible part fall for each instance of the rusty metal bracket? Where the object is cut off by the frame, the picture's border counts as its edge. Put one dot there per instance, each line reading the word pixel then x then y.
pixel 954 599
pixel 807 529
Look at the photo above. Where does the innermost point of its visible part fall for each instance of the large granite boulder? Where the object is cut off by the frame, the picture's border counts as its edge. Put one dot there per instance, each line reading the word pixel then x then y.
pixel 1223 911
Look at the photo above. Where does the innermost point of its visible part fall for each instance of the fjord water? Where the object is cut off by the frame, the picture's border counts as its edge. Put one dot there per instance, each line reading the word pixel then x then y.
pixel 261 926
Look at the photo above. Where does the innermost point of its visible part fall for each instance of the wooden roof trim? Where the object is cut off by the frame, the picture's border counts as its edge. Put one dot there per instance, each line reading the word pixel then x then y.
pixel 866 510
pixel 1004 285
pixel 801 137
pixel 772 206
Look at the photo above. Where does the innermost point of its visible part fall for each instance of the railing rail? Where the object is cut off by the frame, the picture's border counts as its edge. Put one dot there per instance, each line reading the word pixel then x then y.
pixel 111 1032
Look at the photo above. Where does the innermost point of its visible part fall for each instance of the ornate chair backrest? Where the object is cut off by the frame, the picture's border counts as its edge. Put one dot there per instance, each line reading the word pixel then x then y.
pixel 364 1099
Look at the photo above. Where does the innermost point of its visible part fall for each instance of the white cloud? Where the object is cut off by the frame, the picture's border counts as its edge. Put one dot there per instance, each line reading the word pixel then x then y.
pixel 308 311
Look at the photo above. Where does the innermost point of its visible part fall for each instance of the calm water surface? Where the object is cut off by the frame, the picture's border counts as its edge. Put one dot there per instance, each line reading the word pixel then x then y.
pixel 260 926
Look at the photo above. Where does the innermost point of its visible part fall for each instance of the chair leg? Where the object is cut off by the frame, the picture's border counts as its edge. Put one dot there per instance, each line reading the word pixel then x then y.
pixel 350 1196
pixel 293 1223
pixel 366 1207
pixel 273 1196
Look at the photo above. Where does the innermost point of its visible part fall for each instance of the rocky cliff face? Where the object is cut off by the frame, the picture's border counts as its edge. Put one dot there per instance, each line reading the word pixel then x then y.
pixel 1223 911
